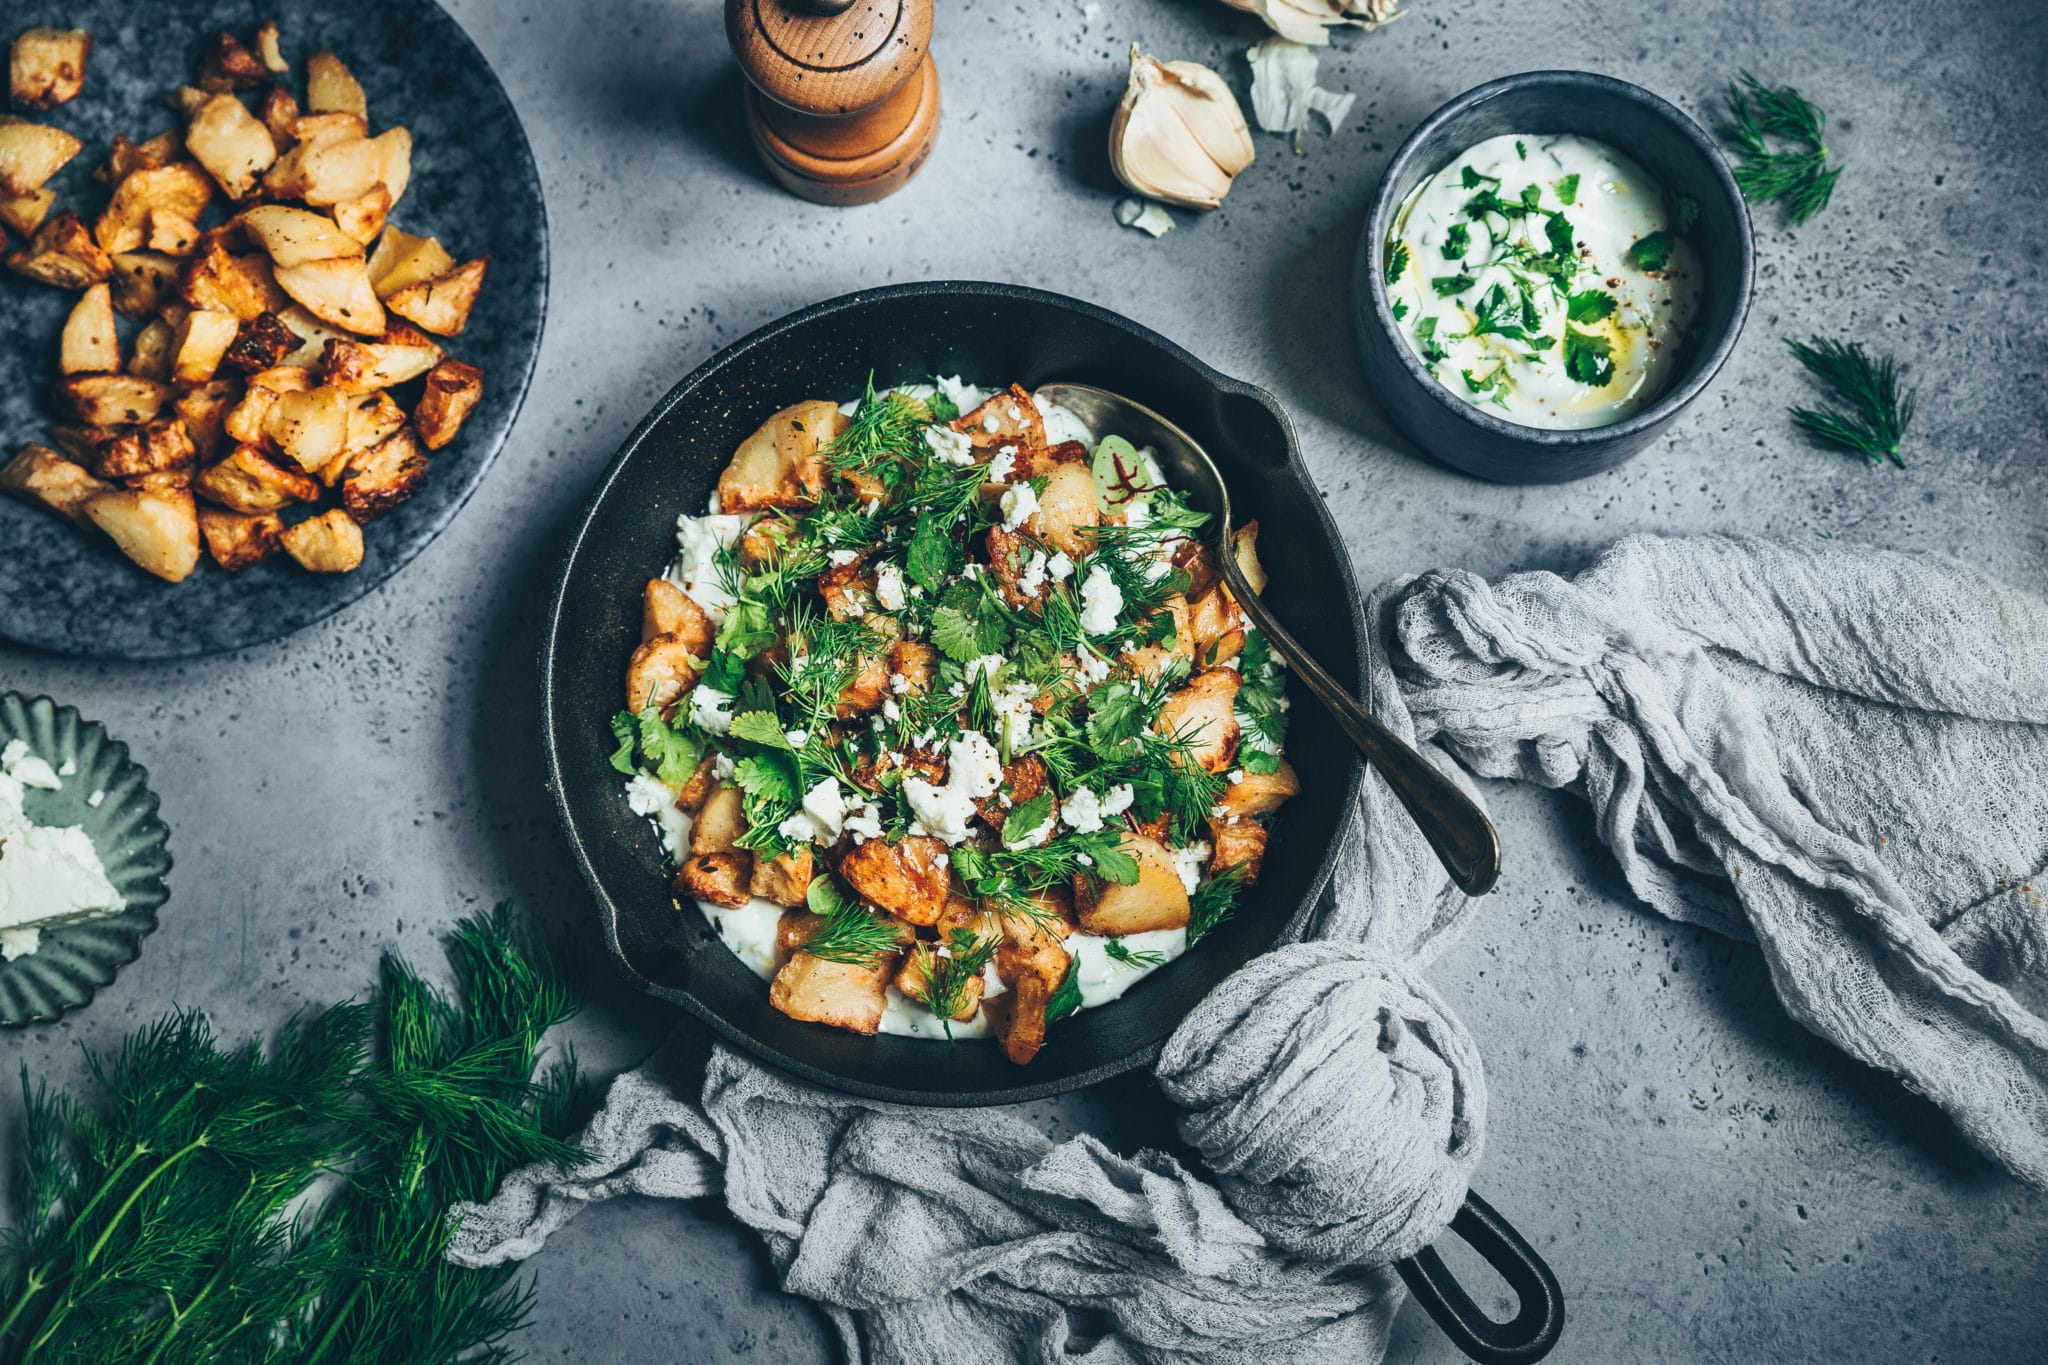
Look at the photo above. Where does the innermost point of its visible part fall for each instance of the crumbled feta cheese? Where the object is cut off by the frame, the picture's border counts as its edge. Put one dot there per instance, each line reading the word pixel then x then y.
pixel 889 587
pixel 797 738
pixel 950 446
pixel 1003 465
pixel 826 804
pixel 650 796
pixel 863 821
pixel 890 711
pixel 1060 424
pixel 695 570
pixel 70 768
pixel 722 766
pixel 899 683
pixel 1060 567
pixel 1188 862
pixel 985 663
pixel 95 799
pixel 1236 776
pixel 27 769
pixel 991 422
pixel 1084 812
pixel 841 558
pixel 1032 581
pixel 1084 860
pixel 1020 501
pixel 49 875
pixel 1101 600
pixel 973 770
pixel 966 397
pixel 1157 568
pixel 1014 714
pixel 711 710
pixel 1016 415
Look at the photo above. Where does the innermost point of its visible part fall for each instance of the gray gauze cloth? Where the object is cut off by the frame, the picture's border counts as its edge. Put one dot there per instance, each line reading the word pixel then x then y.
pixel 1827 748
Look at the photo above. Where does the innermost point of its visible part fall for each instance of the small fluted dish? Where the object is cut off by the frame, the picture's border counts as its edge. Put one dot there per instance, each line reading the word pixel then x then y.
pixel 73 961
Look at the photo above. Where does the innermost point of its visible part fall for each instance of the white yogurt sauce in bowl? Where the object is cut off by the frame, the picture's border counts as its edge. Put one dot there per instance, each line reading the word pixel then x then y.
pixel 1545 279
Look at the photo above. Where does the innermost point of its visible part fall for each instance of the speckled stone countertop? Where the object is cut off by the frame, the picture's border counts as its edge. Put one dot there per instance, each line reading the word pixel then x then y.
pixel 1710 1181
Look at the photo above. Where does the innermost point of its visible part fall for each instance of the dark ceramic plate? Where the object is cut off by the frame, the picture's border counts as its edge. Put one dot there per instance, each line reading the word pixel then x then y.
pixel 473 186
pixel 988 333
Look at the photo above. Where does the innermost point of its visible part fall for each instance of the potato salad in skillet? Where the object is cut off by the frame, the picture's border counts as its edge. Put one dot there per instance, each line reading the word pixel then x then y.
pixel 947 717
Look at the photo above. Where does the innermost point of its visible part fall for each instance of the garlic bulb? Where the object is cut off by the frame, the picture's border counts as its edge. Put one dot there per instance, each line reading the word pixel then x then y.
pixel 1178 134
pixel 1309 21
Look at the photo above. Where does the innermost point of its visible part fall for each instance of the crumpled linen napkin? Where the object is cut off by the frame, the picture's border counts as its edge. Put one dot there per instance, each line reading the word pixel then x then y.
pixel 1830 749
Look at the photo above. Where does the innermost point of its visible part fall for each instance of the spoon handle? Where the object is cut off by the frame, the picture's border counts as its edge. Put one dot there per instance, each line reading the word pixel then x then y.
pixel 1464 839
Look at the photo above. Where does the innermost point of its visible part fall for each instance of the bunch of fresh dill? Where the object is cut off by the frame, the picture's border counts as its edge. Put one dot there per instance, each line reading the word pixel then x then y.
pixel 1874 408
pixel 214 1205
pixel 1796 170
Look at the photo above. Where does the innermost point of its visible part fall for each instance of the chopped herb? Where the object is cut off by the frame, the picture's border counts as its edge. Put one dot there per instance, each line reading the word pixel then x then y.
pixel 1800 177
pixel 1457 241
pixel 1212 902
pixel 1473 179
pixel 1447 285
pixel 1567 189
pixel 1397 263
pixel 851 932
pixel 1532 197
pixel 1557 229
pixel 1400 310
pixel 1026 818
pixel 1586 358
pixel 1115 951
pixel 1521 151
pixel 1589 305
pixel 1876 410
pixel 760 727
pixel 670 750
pixel 1650 254
pixel 1432 349
pixel 1067 998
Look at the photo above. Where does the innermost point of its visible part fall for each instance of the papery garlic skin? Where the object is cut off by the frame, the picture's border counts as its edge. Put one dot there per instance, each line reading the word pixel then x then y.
pixel 1309 21
pixel 1284 89
pixel 1178 134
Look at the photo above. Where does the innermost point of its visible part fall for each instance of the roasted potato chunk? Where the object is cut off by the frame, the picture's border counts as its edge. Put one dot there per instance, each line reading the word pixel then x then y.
pixel 1066 510
pixel 260 342
pixel 394 161
pixel 1157 900
pixel 158 529
pixel 388 474
pixel 720 878
pixel 1237 843
pixel 442 305
pixel 914 663
pixel 325 171
pixel 915 979
pixel 128 452
pixel 907 879
pixel 231 143
pixel 1244 548
pixel 235 541
pixel 1204 713
pixel 39 474
pixel 1018 1018
pixel 1006 418
pixel 229 65
pixel 332 88
pixel 721 820
pixel 310 427
pixel 89 344
pixel 780 465
pixel 200 342
pixel 1218 625
pixel 845 995
pixel 267 49
pixel 785 879
pixel 24 213
pixel 328 543
pixel 218 279
pixel 107 400
pixel 363 217
pixel 30 153
pixel 295 236
pixel 62 253
pixel 667 610
pixel 794 930
pixel 180 188
pixel 365 367
pixel 452 392
pixel 660 672
pixel 336 291
pixel 1023 778
pixel 142 280
pixel 280 113
pixel 1259 793
pixel 248 482
pixel 46 67
pixel 402 260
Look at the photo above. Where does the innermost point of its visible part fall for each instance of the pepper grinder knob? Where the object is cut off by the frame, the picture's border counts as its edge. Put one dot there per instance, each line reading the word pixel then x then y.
pixel 842 97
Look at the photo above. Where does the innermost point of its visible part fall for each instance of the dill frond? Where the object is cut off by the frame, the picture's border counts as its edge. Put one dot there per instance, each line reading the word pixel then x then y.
pixel 1876 409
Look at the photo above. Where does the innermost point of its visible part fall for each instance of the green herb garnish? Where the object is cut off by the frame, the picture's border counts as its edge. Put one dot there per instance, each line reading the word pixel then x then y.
pixel 1568 189
pixel 1875 411
pixel 1589 305
pixel 1650 254
pixel 851 932
pixel 1447 285
pixel 1800 177
pixel 1213 901
pixel 1067 998
pixel 1457 241
pixel 1115 951
pixel 1397 264
pixel 1587 358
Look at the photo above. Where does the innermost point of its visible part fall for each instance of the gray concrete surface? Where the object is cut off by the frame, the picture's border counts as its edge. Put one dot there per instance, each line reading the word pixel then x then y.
pixel 1711 1182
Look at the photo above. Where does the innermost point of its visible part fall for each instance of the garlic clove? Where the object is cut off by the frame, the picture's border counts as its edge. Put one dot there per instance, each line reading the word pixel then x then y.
pixel 1178 134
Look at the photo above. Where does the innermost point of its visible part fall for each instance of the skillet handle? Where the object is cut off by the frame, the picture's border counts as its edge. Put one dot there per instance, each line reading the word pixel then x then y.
pixel 1539 1314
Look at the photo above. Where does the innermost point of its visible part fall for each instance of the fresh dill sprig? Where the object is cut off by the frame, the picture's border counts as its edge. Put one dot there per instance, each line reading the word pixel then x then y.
pixel 851 933
pixel 883 431
pixel 1801 177
pixel 1213 900
pixel 1875 410
pixel 949 976
pixel 167 1217
pixel 1116 951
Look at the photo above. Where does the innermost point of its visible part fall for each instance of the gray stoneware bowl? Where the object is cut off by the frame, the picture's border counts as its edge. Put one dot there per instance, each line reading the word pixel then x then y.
pixel 989 333
pixel 1670 147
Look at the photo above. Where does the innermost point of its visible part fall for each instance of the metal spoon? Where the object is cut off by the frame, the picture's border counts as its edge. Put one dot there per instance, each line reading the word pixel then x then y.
pixel 1458 830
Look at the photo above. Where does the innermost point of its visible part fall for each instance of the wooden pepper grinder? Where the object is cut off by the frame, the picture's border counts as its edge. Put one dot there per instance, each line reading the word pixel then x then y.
pixel 842 97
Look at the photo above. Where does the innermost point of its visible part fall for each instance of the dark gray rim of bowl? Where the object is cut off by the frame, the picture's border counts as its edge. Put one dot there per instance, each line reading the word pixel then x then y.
pixel 1385 206
pixel 909 1094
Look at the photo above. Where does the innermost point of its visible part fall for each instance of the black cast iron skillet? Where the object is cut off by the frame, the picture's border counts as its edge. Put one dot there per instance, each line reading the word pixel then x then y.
pixel 989 333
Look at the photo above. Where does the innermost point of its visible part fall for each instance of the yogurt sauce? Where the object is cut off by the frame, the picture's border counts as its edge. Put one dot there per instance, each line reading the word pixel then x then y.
pixel 750 929
pixel 1546 279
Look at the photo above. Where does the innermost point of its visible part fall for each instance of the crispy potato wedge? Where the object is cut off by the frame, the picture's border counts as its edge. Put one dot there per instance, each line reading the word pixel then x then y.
pixel 39 474
pixel 62 253
pixel 785 879
pixel 243 285
pixel 363 217
pixel 365 367
pixel 720 878
pixel 845 995
pixel 129 452
pixel 246 421
pixel 205 410
pixel 372 420
pixel 1018 1018
pixel 1244 548
pixel 313 336
pixel 907 878
pixel 235 541
pixel 1006 418
pixel 660 672
pixel 170 234
pixel 294 236
pixel 384 476
pixel 1204 713
pixel 230 65
pixel 89 344
pixel 106 400
pixel 330 127
pixel 779 465
pixel 721 820
pixel 261 342
pixel 280 114
pixel 310 427
pixel 157 528
pixel 667 610
pixel 1157 900
pixel 22 214
pixel 1218 625
pixel 402 260
pixel 331 87
pixel 249 481
pixel 1259 793
pixel 267 49
pixel 142 280
pixel 150 354
pixel 442 305
pixel 1237 843
pixel 327 170
pixel 328 543
pixel 231 143
pixel 46 66
pixel 180 188
pixel 336 291
pixel 394 161
pixel 30 153
pixel 201 340
pixel 124 158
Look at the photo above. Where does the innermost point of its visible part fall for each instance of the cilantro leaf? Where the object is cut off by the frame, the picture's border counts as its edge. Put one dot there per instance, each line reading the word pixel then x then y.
pixel 1447 285
pixel 1558 230
pixel 1432 349
pixel 1067 998
pixel 1473 179
pixel 1026 817
pixel 1400 310
pixel 1568 189
pixel 1650 253
pixel 767 777
pixel 1521 152
pixel 1115 716
pixel 1112 864
pixel 747 629
pixel 942 408
pixel 1261 761
pixel 624 731
pixel 1532 197
pixel 953 634
pixel 671 749
pixel 1589 305
pixel 1586 358
pixel 725 672
pixel 1397 263
pixel 1457 241
pixel 762 727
